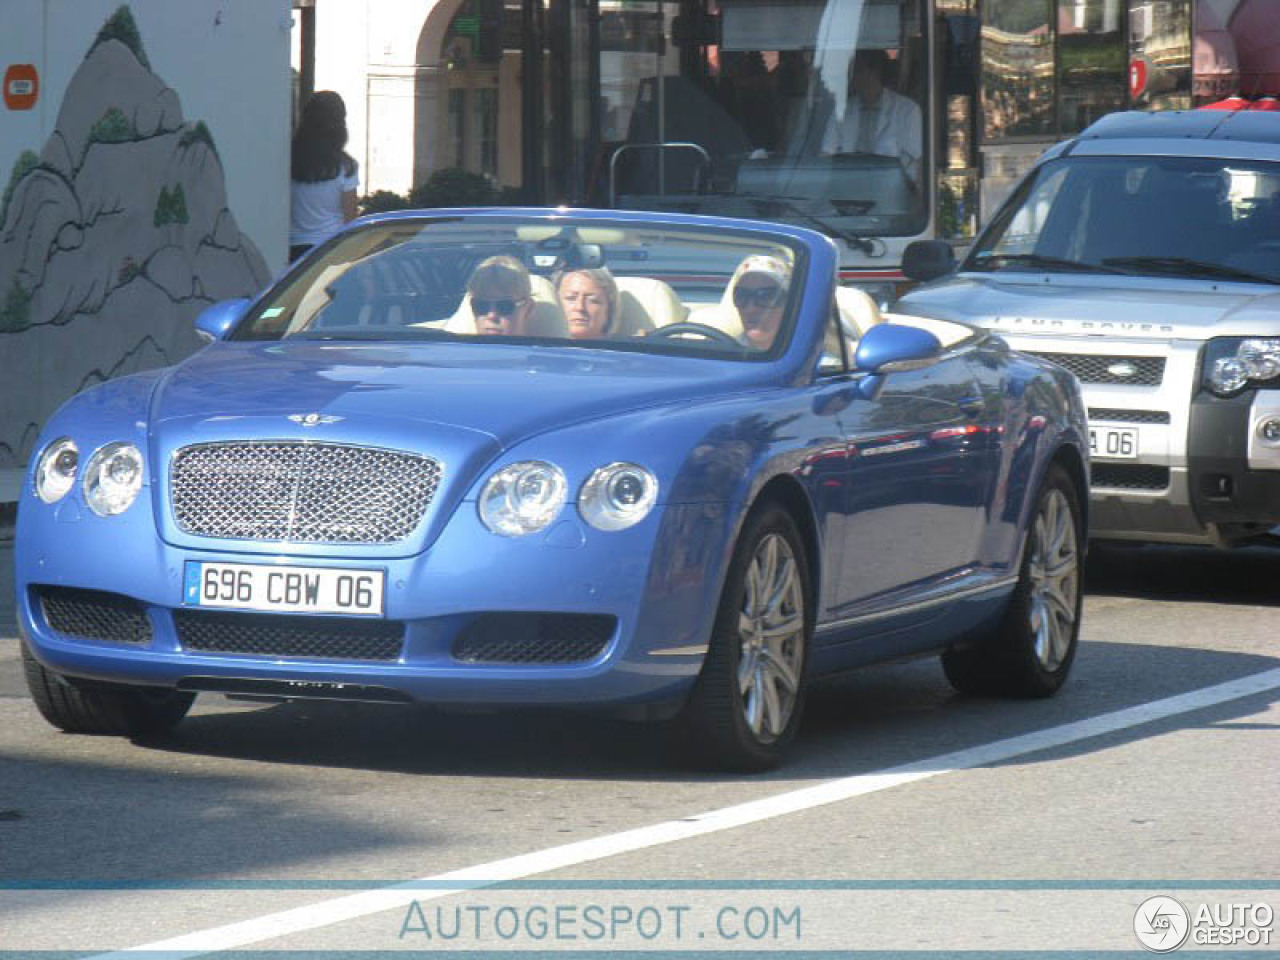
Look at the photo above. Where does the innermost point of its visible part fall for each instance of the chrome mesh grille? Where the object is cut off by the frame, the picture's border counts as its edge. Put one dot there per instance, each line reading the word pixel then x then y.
pixel 1108 368
pixel 302 492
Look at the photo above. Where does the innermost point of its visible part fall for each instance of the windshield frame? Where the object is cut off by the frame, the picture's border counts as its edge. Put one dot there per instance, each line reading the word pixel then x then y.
pixel 755 238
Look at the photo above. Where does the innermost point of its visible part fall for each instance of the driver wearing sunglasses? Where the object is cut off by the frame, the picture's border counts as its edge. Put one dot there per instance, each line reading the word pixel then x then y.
pixel 501 297
pixel 760 293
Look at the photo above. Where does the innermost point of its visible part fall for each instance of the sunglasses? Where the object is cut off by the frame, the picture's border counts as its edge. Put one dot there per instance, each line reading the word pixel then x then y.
pixel 769 296
pixel 504 307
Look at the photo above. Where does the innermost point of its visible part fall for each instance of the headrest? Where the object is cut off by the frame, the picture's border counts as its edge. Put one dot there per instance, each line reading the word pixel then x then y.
pixel 858 312
pixel 645 303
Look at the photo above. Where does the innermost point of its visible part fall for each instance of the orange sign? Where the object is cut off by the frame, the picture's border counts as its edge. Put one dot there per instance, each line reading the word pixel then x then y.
pixel 21 86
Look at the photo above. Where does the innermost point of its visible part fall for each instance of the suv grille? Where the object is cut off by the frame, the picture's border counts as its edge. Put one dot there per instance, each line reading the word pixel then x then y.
pixel 95 614
pixel 1129 476
pixel 534 638
pixel 275 635
pixel 1101 368
pixel 300 491
pixel 1128 416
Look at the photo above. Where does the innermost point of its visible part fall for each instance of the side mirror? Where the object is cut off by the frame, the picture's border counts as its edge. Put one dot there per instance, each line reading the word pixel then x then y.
pixel 890 348
pixel 926 260
pixel 215 322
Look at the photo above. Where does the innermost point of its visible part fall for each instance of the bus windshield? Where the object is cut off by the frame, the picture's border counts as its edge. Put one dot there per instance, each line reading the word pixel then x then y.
pixel 808 112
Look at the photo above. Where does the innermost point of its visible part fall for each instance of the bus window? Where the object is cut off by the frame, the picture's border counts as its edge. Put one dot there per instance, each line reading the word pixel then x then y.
pixel 808 112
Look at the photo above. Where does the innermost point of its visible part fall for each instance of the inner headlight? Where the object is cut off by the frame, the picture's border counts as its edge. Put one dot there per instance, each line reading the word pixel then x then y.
pixel 522 498
pixel 1231 365
pixel 56 471
pixel 617 496
pixel 113 478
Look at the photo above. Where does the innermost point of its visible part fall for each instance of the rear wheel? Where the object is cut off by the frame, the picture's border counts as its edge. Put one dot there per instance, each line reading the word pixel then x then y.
pixel 746 706
pixel 1031 653
pixel 81 706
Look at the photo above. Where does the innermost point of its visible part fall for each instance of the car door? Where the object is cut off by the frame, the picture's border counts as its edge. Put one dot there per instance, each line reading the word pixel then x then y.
pixel 919 468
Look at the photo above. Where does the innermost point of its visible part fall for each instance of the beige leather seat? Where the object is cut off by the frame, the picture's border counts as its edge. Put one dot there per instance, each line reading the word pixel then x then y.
pixel 858 311
pixel 646 303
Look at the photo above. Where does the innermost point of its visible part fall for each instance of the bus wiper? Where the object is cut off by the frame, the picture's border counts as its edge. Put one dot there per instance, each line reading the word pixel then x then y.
pixel 870 246
pixel 994 261
pixel 1196 268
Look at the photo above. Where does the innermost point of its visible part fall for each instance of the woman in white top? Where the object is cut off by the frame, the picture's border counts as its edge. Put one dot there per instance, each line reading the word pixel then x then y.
pixel 324 177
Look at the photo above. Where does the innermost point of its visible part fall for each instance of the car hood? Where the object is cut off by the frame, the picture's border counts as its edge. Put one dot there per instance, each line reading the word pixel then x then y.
pixel 497 393
pixel 461 405
pixel 1122 307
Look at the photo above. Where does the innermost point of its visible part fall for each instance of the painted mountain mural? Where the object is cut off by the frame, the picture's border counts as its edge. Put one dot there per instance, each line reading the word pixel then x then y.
pixel 112 239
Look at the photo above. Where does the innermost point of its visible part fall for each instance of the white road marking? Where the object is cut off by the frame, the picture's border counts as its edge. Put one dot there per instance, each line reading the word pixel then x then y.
pixel 325 913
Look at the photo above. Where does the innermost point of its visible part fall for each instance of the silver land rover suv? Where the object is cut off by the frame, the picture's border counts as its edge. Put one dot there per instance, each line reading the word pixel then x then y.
pixel 1144 256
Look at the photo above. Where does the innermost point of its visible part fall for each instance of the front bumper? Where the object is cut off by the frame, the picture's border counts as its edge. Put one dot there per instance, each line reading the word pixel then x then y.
pixel 653 594
pixel 1234 472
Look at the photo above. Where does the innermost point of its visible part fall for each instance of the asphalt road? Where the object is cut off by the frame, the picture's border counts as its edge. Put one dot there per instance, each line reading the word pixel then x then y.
pixel 909 818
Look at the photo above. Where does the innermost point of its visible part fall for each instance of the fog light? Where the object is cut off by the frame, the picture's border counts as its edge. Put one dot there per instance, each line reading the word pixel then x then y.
pixel 1269 430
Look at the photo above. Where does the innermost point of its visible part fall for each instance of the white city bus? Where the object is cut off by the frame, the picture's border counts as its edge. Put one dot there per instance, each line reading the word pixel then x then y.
pixel 753 108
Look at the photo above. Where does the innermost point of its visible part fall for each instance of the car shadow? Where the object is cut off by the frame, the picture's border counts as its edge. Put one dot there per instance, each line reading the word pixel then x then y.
pixel 1249 575
pixel 866 721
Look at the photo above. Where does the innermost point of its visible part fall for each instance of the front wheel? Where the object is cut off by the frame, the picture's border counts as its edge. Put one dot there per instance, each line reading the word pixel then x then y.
pixel 1031 653
pixel 102 708
pixel 746 706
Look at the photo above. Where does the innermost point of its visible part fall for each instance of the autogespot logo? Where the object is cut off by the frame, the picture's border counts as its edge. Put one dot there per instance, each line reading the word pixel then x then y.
pixel 1161 924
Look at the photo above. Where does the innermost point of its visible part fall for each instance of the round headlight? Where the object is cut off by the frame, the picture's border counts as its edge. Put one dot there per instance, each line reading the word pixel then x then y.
pixel 522 498
pixel 113 478
pixel 56 471
pixel 1228 375
pixel 617 496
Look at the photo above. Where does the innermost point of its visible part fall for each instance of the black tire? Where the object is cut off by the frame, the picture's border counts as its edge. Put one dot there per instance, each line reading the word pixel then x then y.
pixel 722 726
pixel 79 706
pixel 1031 651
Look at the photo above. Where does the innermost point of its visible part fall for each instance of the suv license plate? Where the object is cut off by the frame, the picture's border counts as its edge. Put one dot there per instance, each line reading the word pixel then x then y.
pixel 271 587
pixel 1113 443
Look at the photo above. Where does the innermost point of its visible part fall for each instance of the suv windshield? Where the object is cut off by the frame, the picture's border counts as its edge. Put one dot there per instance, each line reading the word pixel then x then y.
pixel 1156 216
pixel 503 279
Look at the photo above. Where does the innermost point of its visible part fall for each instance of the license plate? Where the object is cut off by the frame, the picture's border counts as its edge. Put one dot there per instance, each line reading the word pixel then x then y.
pixel 270 587
pixel 1113 443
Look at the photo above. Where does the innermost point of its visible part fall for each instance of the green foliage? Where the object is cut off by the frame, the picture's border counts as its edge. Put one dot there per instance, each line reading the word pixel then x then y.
pixel 15 315
pixel 454 187
pixel 198 134
pixel 121 26
pixel 171 207
pixel 113 127
pixel 26 162
pixel 382 201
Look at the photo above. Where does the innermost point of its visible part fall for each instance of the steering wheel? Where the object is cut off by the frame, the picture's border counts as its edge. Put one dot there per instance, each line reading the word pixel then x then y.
pixel 705 331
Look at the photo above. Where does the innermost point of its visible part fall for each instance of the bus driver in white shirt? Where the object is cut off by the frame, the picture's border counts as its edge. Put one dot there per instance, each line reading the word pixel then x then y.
pixel 876 119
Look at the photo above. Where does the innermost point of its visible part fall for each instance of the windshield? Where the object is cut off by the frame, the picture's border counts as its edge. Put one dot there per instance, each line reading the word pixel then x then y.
pixel 1171 216
pixel 807 112
pixel 500 280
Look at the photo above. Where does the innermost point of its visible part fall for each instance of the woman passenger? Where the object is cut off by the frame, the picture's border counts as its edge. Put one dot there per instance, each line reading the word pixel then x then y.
pixel 759 292
pixel 589 298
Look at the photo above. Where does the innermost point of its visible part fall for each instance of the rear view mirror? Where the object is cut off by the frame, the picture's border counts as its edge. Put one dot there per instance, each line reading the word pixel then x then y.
pixel 927 260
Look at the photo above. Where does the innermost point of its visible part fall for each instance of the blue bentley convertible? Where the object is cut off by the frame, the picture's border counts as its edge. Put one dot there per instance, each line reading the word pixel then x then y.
pixel 659 465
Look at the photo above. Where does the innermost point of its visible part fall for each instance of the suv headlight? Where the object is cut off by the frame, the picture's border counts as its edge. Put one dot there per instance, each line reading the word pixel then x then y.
pixel 522 498
pixel 113 478
pixel 1230 365
pixel 56 471
pixel 617 496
